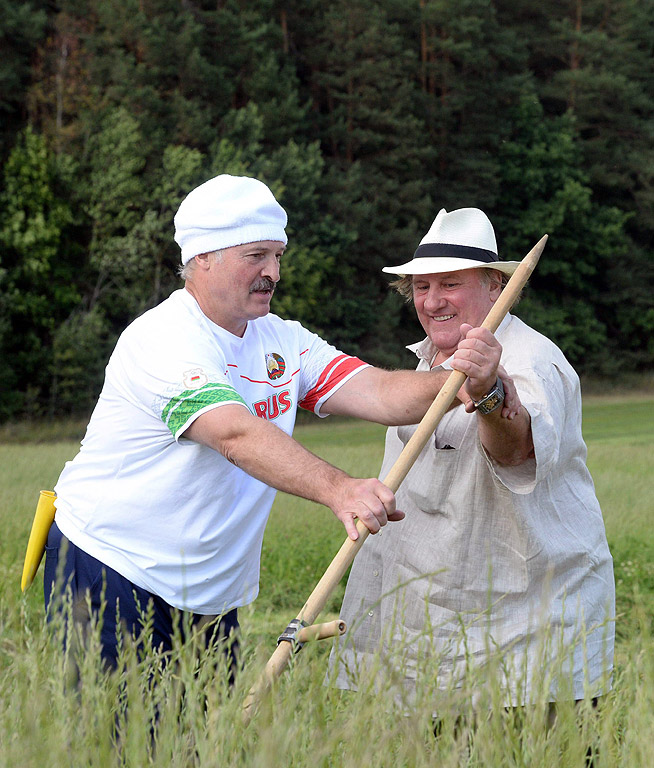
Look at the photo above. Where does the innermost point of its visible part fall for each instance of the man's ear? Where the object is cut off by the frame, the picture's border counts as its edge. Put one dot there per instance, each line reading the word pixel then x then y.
pixel 203 261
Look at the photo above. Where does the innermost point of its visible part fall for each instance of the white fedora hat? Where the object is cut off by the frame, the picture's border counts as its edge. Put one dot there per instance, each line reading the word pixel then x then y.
pixel 461 239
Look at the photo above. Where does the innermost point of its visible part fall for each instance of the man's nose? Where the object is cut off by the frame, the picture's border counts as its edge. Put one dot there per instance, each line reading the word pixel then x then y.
pixel 270 268
pixel 434 299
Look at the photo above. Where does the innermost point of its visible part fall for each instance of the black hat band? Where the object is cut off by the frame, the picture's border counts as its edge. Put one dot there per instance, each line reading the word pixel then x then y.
pixel 440 250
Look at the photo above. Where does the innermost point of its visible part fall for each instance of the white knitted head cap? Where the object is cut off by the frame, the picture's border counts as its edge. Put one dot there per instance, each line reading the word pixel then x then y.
pixel 226 211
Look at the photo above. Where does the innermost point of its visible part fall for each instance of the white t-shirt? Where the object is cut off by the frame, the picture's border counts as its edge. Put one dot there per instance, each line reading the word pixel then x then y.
pixel 171 515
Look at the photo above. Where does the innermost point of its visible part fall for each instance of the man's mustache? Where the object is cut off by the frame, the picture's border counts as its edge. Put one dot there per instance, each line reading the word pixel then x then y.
pixel 264 284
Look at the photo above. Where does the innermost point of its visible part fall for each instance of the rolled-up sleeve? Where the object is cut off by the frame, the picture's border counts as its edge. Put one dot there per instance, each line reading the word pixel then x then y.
pixel 544 398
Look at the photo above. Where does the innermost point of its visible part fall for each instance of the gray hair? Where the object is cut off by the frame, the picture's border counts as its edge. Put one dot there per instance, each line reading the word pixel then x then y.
pixel 487 275
pixel 186 271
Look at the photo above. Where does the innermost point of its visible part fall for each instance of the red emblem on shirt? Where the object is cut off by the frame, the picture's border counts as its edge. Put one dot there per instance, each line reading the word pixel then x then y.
pixel 275 365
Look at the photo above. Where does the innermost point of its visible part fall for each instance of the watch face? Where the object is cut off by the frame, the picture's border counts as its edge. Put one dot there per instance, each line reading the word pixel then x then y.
pixel 490 403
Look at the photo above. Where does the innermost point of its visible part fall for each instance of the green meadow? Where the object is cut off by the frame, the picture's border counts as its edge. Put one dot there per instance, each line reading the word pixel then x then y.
pixel 184 714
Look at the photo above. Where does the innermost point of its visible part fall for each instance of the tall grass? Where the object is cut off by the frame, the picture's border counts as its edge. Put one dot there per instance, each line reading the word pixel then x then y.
pixel 185 714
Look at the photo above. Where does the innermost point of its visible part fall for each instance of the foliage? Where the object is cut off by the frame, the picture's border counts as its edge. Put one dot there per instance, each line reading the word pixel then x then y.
pixel 38 289
pixel 79 351
pixel 545 188
pixel 365 118
pixel 22 26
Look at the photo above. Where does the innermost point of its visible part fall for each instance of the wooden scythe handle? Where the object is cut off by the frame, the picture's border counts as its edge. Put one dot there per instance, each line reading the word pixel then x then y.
pixel 348 551
pixel 321 631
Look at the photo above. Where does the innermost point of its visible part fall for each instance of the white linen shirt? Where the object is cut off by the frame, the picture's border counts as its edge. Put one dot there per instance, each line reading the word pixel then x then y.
pixel 516 555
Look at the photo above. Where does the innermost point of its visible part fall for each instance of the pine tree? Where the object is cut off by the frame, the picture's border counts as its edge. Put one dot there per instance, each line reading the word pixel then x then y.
pixel 366 107
pixel 471 73
pixel 545 190
pixel 37 289
pixel 22 27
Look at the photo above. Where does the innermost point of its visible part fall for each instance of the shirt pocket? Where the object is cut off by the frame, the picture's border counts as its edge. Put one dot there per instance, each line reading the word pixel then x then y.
pixel 432 478
pixel 429 483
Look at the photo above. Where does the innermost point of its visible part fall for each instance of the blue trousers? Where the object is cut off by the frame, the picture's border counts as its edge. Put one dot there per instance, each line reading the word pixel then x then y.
pixel 86 575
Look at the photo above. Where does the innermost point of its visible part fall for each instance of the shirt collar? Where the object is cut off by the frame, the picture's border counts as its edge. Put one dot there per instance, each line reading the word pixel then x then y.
pixel 425 350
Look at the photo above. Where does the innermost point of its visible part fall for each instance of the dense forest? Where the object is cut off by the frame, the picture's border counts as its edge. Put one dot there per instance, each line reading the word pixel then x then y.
pixel 365 118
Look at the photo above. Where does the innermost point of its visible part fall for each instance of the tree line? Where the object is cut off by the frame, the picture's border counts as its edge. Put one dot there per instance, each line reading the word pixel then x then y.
pixel 365 118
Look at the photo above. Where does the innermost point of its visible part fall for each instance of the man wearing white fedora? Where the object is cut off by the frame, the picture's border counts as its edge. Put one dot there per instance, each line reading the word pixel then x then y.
pixel 502 560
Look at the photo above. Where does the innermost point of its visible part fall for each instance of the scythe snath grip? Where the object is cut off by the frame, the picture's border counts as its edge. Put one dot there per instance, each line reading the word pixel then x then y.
pixel 348 551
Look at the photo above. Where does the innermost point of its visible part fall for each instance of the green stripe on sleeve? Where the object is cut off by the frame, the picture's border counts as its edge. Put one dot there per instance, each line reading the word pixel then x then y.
pixel 180 408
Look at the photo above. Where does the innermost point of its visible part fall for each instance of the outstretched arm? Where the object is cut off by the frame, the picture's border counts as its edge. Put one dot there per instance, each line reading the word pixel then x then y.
pixel 266 452
pixel 402 397
pixel 387 397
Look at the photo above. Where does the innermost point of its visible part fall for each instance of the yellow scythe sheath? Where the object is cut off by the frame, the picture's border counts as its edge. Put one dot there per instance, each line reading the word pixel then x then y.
pixel 43 519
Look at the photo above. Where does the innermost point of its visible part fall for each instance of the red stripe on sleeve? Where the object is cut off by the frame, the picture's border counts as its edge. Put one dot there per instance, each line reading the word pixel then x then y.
pixel 338 369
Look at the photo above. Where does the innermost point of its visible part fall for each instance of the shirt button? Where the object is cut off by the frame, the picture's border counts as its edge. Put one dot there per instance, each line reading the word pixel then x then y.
pixel 375 573
pixel 370 613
